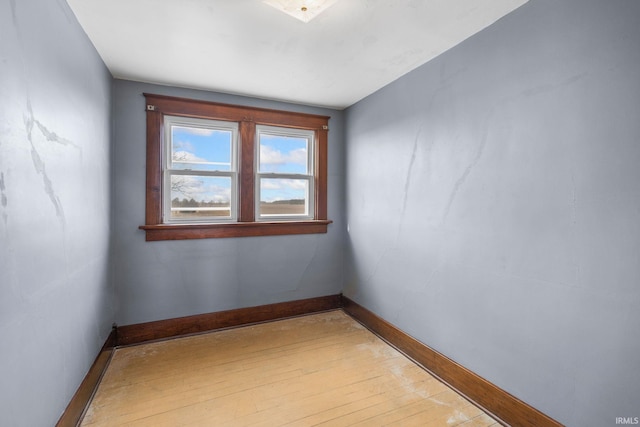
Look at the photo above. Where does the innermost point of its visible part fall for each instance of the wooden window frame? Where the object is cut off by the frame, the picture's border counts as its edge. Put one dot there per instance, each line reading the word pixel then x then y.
pixel 157 106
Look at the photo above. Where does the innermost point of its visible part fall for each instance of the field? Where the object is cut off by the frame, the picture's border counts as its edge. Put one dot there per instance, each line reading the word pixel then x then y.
pixel 281 209
pixel 265 209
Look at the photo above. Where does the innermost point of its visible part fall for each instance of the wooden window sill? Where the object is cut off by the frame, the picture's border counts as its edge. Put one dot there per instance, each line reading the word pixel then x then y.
pixel 156 232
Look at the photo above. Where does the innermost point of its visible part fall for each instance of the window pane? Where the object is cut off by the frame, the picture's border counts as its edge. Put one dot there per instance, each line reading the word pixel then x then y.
pixel 283 154
pixel 200 148
pixel 195 197
pixel 284 197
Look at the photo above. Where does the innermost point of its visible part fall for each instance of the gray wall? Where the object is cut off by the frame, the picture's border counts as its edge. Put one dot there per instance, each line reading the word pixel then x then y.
pixel 493 205
pixel 159 280
pixel 493 211
pixel 56 305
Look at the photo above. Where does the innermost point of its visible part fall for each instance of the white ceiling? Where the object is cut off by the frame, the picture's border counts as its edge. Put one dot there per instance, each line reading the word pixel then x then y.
pixel 246 47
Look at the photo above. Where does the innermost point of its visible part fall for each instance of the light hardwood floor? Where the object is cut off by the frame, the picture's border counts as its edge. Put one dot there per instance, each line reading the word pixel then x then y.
pixel 322 369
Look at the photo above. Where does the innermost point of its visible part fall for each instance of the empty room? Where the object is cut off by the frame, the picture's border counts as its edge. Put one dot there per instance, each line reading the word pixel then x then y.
pixel 289 212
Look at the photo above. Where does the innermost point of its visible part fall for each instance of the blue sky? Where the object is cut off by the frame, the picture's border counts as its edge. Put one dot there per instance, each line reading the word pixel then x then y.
pixel 210 149
pixel 201 145
pixel 283 154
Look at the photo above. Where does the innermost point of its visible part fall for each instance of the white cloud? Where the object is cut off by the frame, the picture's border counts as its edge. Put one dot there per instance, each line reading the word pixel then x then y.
pixel 271 156
pixel 272 190
pixel 185 185
pixel 183 145
pixel 187 157
pixel 283 184
pixel 189 186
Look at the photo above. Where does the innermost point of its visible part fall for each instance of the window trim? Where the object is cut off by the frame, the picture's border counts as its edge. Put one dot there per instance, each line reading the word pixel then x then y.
pixel 157 106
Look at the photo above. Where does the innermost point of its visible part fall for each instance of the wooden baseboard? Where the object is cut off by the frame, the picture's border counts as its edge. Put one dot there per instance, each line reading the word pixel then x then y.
pixel 503 405
pixel 72 415
pixel 162 329
pixel 490 397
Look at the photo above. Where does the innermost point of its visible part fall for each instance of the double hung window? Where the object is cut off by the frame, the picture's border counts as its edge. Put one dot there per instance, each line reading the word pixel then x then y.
pixel 284 184
pixel 200 174
pixel 218 170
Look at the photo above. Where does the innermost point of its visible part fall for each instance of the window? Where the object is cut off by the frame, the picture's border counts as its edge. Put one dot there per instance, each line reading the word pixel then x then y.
pixel 200 172
pixel 218 170
pixel 284 184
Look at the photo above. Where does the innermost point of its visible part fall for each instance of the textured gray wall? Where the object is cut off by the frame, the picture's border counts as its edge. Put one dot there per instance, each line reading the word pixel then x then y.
pixel 56 305
pixel 493 202
pixel 159 280
pixel 493 208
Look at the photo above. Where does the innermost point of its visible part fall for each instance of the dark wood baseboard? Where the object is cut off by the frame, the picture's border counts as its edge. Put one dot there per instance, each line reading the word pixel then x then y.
pixel 163 329
pixel 490 397
pixel 72 415
pixel 503 405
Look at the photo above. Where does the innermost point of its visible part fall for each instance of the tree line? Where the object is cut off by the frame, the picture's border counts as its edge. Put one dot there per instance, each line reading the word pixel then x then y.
pixel 192 203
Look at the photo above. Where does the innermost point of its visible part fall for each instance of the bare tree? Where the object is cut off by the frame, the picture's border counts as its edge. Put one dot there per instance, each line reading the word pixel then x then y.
pixel 184 184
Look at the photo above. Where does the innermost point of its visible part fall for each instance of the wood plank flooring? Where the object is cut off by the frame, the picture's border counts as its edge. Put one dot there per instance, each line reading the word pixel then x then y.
pixel 318 370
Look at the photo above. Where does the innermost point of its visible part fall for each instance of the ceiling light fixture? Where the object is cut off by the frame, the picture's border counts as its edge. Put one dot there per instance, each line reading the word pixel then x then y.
pixel 304 10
